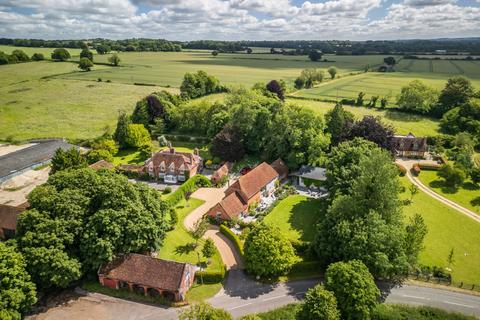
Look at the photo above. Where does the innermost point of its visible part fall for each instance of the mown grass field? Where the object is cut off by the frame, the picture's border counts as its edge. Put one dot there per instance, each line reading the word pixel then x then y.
pixel 447 229
pixel 168 68
pixel 32 106
pixel 31 50
pixel 402 122
pixel 468 195
pixel 389 84
pixel 296 216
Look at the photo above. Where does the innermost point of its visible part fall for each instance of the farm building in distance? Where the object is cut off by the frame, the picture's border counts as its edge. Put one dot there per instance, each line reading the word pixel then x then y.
pixel 40 153
pixel 148 276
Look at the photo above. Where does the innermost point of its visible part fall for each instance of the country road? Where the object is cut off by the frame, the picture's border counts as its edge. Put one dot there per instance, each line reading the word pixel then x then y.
pixel 242 295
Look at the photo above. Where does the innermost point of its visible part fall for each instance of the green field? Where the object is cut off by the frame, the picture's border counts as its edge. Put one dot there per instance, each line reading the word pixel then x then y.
pixel 401 121
pixel 447 229
pixel 468 195
pixel 32 107
pixel 388 84
pixel 31 50
pixel 168 68
pixel 296 216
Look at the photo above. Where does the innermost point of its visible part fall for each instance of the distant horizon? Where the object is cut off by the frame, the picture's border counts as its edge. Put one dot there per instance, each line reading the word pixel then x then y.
pixel 232 20
pixel 250 40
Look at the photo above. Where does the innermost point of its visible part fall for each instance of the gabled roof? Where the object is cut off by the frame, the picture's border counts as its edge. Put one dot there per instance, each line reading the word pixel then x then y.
pixel 233 205
pixel 280 167
pixel 409 143
pixel 172 157
pixel 252 182
pixel 222 171
pixel 145 270
pixel 102 164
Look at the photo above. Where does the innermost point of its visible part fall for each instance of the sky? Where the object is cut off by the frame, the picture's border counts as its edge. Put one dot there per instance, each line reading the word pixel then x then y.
pixel 240 19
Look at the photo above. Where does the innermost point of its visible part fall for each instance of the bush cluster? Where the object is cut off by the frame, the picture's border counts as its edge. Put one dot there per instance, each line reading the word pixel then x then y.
pixel 191 185
pixel 232 237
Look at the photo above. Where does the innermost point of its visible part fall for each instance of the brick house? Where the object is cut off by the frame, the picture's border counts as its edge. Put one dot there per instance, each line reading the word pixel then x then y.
pixel 221 172
pixel 148 276
pixel 248 190
pixel 8 219
pixel 410 146
pixel 172 166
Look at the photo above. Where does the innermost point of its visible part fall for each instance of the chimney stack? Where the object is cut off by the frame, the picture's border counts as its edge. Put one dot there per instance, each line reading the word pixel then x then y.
pixel 196 152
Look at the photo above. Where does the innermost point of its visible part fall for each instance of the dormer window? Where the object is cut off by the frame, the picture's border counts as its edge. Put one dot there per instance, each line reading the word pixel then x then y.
pixel 181 169
pixel 171 167
pixel 162 166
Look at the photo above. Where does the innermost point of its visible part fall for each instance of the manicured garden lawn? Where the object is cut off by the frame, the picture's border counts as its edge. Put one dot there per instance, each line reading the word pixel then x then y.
pixel 447 229
pixel 128 156
pixel 401 121
pixel 176 245
pixel 468 195
pixel 296 216
pixel 201 292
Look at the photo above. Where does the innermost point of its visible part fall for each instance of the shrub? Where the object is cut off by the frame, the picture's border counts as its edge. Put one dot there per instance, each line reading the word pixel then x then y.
pixel 232 237
pixel 204 311
pixel 211 276
pixel 401 169
pixel 427 166
pixel 319 304
pixel 403 312
pixel 191 185
pixel 167 190
pixel 38 57
pixel 416 169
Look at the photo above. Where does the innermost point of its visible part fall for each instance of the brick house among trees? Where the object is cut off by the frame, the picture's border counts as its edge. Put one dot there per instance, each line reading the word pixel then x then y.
pixel 172 166
pixel 247 191
pixel 148 276
pixel 410 146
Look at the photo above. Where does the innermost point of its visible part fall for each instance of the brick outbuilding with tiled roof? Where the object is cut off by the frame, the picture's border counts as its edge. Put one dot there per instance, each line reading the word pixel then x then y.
pixel 148 276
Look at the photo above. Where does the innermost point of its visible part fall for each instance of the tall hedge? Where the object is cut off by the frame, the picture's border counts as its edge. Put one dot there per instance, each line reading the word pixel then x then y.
pixel 191 185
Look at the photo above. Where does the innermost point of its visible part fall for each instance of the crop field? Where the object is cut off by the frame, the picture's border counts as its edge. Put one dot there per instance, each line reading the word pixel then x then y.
pixel 168 68
pixel 32 107
pixel 402 122
pixel 389 84
pixel 31 50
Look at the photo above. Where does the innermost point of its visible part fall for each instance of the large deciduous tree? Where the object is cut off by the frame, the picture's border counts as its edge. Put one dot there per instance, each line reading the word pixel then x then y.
pixel 268 252
pixel 204 311
pixel 121 132
pixel 354 289
pixel 86 54
pixel 82 218
pixel 85 64
pixel 417 97
pixel 275 87
pixel 17 291
pixel 373 129
pixel 319 304
pixel 314 55
pixel 60 54
pixel 227 144
pixel 366 221
pixel 338 120
pixel 465 118
pixel 456 92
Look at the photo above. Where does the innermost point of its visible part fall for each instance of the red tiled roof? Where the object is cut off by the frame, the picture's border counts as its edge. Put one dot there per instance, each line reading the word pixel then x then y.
pixel 102 164
pixel 145 270
pixel 233 205
pixel 169 156
pixel 222 171
pixel 280 167
pixel 252 182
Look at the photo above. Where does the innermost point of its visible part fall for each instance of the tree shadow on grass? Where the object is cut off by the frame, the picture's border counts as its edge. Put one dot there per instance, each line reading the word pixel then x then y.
pixel 185 249
pixel 475 202
pixel 305 216
pixel 439 184
pixel 470 186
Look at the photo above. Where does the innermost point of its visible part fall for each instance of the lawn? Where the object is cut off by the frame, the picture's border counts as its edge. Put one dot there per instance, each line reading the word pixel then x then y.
pixel 447 229
pixel 296 216
pixel 468 195
pixel 177 244
pixel 386 84
pixel 401 121
pixel 32 105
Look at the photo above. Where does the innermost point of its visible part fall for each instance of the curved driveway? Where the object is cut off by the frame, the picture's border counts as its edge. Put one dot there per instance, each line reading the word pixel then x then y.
pixel 408 165
pixel 231 258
